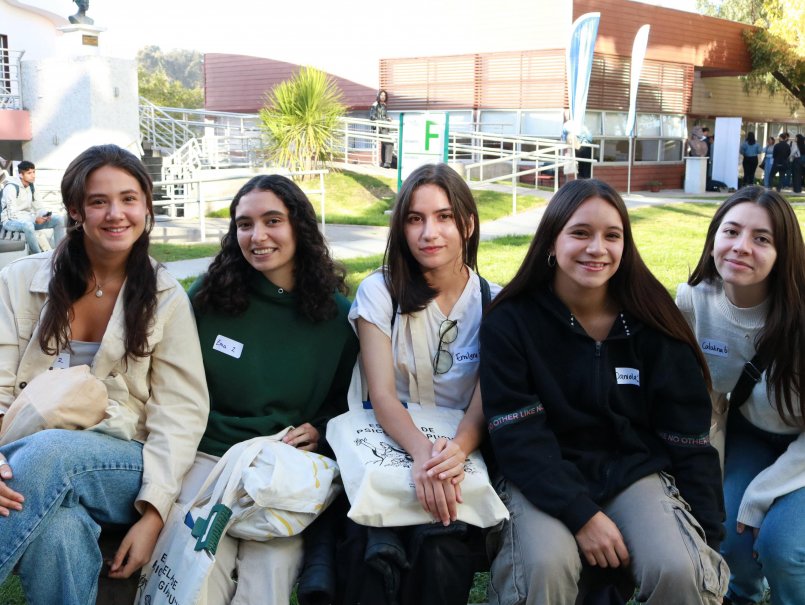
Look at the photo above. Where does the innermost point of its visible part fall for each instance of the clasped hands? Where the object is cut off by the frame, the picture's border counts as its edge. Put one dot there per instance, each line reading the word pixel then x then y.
pixel 438 472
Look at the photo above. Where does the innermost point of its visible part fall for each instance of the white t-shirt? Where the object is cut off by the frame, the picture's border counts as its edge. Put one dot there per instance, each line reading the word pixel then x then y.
pixel 454 388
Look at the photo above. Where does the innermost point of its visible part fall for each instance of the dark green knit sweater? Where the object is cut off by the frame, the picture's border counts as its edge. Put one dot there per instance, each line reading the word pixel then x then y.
pixel 290 370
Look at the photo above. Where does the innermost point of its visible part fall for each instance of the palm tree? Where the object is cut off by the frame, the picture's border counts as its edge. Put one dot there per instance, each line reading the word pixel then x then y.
pixel 300 117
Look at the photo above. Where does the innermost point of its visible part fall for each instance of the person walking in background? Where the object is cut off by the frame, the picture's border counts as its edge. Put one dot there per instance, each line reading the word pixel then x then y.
pixel 768 162
pixel 745 301
pixel 797 160
pixel 750 149
pixel 19 210
pixel 378 113
pixel 780 166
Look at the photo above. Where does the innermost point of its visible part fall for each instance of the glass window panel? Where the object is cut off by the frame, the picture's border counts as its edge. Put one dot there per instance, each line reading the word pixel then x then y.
pixel 460 121
pixel 646 150
pixel 648 125
pixel 592 120
pixel 616 151
pixel 499 122
pixel 614 124
pixel 671 151
pixel 673 126
pixel 542 123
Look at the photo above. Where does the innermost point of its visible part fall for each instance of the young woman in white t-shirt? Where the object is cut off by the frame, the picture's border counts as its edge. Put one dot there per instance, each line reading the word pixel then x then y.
pixel 429 268
pixel 745 303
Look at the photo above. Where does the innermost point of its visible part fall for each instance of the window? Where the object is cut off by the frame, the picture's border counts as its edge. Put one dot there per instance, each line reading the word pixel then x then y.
pixel 658 137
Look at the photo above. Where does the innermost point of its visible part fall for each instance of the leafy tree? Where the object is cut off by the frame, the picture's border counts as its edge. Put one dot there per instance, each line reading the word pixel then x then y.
pixel 160 89
pixel 171 79
pixel 777 46
pixel 179 64
pixel 300 117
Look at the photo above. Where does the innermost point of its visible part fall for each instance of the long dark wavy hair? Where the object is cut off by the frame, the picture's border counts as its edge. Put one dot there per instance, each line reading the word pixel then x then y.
pixel 403 274
pixel 317 276
pixel 632 287
pixel 72 271
pixel 781 342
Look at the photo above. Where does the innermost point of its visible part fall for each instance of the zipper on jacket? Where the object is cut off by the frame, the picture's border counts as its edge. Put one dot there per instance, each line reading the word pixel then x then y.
pixel 597 371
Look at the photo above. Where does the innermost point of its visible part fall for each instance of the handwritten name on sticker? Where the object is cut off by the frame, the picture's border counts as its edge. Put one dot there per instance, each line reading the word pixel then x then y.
pixel 715 347
pixel 227 346
pixel 627 376
pixel 62 361
pixel 467 356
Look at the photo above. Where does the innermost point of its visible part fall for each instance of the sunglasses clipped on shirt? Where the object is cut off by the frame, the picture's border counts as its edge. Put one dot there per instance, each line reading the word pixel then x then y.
pixel 443 360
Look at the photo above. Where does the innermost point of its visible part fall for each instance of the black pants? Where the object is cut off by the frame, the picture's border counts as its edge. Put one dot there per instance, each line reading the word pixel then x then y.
pixel 779 170
pixel 796 171
pixel 750 166
pixel 439 567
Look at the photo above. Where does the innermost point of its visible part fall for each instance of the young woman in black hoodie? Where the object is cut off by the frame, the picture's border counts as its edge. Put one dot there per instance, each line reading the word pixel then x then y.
pixel 595 394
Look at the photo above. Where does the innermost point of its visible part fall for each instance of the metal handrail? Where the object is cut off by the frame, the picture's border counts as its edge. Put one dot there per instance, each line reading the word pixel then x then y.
pixel 201 201
pixel 10 85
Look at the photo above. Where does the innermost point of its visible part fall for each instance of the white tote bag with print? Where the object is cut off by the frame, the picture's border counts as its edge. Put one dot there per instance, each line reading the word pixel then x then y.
pixel 185 551
pixel 376 471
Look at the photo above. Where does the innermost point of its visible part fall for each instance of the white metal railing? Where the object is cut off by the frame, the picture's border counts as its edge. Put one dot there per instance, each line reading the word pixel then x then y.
pixel 224 139
pixel 10 87
pixel 200 200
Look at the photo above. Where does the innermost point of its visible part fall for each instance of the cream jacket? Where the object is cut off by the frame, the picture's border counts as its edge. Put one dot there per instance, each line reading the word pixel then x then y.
pixel 160 400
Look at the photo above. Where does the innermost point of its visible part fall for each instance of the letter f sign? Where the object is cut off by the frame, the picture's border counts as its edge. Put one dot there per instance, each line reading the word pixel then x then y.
pixel 429 135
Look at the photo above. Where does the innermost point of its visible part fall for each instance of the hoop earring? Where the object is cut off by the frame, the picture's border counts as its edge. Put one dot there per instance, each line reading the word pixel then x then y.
pixel 79 226
pixel 551 260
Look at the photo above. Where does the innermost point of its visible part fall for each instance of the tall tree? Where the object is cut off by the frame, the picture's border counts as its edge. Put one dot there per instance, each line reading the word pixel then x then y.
pixel 300 117
pixel 172 78
pixel 777 46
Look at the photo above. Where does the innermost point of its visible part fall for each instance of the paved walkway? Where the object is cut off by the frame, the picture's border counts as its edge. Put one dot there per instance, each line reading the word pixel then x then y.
pixel 351 241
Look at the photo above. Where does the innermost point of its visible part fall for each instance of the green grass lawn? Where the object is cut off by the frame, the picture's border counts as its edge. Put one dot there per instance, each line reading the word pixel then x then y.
pixel 362 199
pixel 669 239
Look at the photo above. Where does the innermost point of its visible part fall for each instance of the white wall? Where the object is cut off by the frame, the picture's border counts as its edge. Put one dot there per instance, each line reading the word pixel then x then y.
pixel 73 106
pixel 31 30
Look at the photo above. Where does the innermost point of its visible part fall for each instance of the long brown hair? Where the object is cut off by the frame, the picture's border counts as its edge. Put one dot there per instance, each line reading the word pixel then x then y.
pixel 781 341
pixel 317 276
pixel 71 267
pixel 403 274
pixel 632 287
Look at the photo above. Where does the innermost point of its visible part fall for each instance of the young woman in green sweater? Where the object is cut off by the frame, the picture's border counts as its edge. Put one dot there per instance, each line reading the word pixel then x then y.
pixel 278 351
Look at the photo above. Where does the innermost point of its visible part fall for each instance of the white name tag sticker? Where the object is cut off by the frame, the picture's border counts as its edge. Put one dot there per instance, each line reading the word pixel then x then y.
pixel 467 356
pixel 627 376
pixel 227 346
pixel 715 347
pixel 62 361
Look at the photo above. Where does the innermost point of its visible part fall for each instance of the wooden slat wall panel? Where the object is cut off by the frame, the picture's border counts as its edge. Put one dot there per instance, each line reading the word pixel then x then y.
pixel 532 79
pixel 676 36
pixel 664 87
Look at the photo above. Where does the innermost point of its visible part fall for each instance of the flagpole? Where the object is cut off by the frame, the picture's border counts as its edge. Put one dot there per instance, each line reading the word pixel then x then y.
pixel 629 174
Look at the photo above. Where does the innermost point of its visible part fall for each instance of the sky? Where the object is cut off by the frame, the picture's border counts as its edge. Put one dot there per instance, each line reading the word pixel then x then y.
pixel 323 33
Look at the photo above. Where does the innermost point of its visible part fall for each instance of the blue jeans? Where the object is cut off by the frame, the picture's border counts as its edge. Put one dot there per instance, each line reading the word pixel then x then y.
pixel 780 545
pixel 72 482
pixel 55 222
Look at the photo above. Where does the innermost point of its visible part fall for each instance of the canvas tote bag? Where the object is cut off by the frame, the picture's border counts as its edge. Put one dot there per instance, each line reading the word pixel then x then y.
pixel 376 471
pixel 70 398
pixel 185 551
